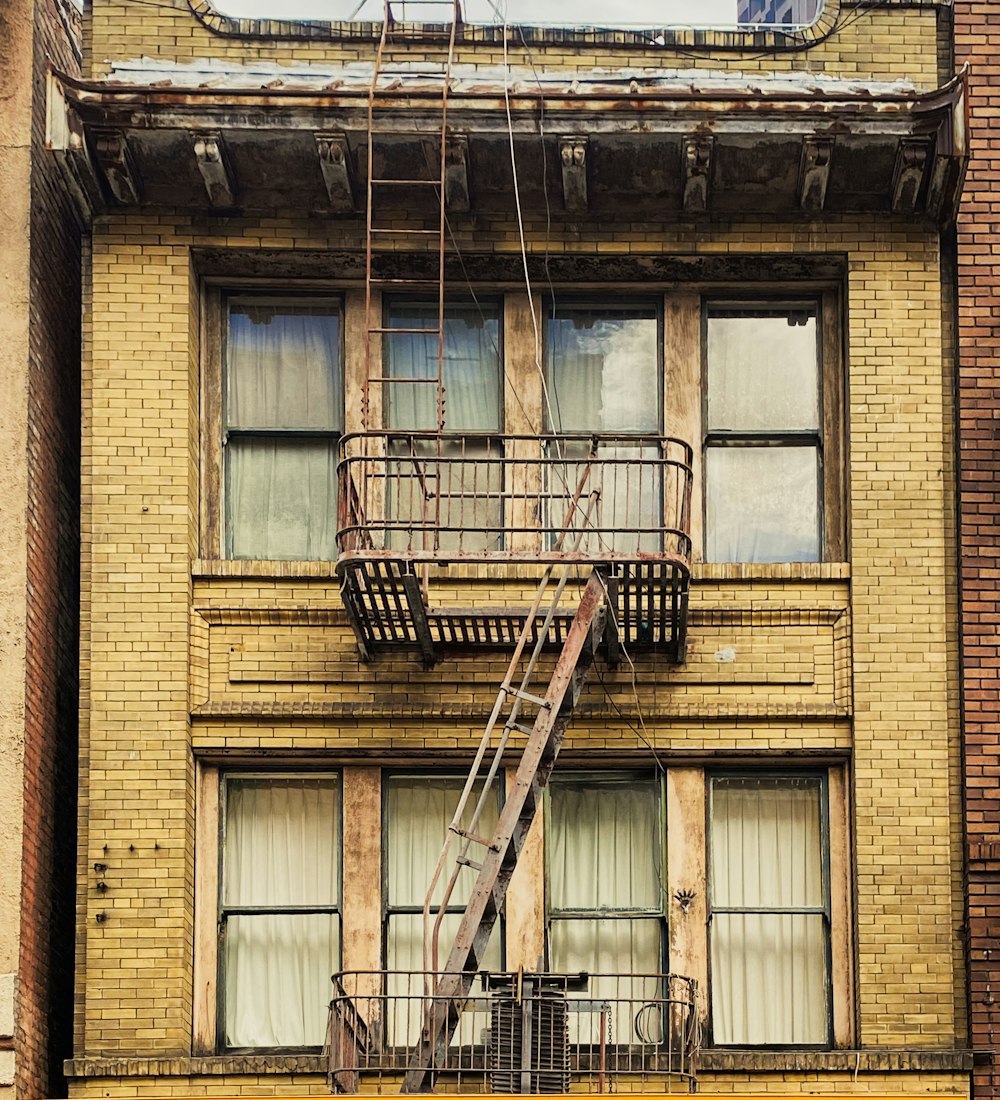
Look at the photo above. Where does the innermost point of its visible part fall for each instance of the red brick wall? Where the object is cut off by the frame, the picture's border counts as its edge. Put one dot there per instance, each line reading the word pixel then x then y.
pixel 977 40
pixel 45 989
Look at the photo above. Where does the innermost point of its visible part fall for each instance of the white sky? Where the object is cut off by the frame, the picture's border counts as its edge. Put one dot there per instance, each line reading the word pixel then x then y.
pixel 608 13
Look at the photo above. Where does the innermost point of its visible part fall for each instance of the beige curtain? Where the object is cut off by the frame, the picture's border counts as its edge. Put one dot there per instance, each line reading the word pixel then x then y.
pixel 283 372
pixel 281 850
pixel 769 969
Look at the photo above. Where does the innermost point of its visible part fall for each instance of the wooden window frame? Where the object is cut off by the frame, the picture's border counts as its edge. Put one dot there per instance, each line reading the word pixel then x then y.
pixel 214 538
pixel 209 912
pixel 830 434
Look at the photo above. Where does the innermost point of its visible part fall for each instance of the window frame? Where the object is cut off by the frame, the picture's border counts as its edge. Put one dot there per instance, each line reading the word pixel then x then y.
pixel 830 432
pixel 826 910
pixel 389 910
pixel 216 529
pixel 631 913
pixel 211 912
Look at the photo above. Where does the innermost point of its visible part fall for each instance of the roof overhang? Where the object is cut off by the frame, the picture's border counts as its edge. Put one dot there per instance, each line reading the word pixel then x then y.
pixel 662 150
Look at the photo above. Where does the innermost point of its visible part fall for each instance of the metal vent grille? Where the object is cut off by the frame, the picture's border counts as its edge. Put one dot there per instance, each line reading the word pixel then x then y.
pixel 529 1039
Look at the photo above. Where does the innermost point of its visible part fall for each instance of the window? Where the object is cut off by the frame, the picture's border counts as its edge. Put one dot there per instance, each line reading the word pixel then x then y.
pixel 605 885
pixel 765 460
pixel 604 369
pixel 770 911
pixel 282 417
pixel 279 914
pixel 453 502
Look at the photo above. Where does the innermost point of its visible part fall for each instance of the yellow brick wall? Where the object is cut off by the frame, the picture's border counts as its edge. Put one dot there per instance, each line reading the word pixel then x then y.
pixel 890 43
pixel 154 647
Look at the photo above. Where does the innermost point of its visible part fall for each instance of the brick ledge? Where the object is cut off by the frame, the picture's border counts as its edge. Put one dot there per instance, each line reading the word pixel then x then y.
pixel 710 1061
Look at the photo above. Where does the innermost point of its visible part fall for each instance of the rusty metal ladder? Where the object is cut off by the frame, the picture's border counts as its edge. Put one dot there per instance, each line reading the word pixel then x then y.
pixel 384 234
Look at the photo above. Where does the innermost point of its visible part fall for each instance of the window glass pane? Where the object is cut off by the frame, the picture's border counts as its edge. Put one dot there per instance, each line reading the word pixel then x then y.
pixel 405 985
pixel 281 498
pixel 763 371
pixel 769 969
pixel 766 842
pixel 283 367
pixel 604 845
pixel 418 813
pixel 603 369
pixel 277 981
pixel 622 957
pixel 626 514
pixel 769 978
pixel 762 504
pixel 471 367
pixel 282 842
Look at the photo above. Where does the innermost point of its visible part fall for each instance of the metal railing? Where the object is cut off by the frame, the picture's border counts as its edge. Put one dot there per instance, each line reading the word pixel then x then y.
pixel 482 497
pixel 518 1032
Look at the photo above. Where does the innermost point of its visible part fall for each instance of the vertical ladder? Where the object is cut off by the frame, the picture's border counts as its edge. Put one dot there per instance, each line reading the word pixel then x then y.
pixel 383 234
pixel 443 1008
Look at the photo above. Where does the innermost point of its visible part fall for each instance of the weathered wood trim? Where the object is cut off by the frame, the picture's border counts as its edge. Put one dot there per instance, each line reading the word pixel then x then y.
pixel 211 422
pixel 361 901
pixel 525 903
pixel 687 879
pixel 835 509
pixel 206 908
pixel 841 927
pixel 523 412
pixel 682 381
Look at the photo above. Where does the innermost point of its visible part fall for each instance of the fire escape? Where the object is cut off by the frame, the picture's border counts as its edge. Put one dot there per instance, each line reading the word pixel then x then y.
pixel 594 530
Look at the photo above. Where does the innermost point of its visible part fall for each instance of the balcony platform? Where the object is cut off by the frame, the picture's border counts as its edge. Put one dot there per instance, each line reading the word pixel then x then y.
pixel 412 504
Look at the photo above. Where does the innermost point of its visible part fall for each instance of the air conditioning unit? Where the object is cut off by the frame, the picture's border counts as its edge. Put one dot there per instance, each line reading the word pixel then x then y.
pixel 529 1033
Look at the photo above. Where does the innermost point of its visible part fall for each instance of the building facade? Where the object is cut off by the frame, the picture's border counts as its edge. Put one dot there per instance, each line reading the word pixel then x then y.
pixel 39 479
pixel 977 251
pixel 383 323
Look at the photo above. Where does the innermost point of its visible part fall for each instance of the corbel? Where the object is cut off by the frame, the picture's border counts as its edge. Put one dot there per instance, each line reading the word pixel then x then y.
pixel 814 173
pixel 216 173
pixel 335 164
pixel 697 172
pixel 112 154
pixel 573 157
pixel 457 192
pixel 908 174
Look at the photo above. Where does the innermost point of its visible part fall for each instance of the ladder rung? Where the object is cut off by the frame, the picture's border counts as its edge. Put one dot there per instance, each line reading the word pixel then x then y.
pixel 473 837
pixel 409 232
pixel 528 697
pixel 407 183
pixel 404 331
pixel 520 729
pixel 384 378
pixel 466 862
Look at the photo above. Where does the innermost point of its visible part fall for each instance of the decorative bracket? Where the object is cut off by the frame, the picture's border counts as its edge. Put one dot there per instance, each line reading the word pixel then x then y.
pixel 213 164
pixel 112 153
pixel 457 192
pixel 814 173
pixel 573 157
pixel 697 172
pixel 335 164
pixel 908 175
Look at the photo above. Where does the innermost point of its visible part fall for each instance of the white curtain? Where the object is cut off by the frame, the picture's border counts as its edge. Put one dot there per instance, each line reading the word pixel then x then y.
pixel 283 371
pixel 769 975
pixel 604 376
pixel 281 849
pixel 762 502
pixel 604 853
pixel 419 811
pixel 461 492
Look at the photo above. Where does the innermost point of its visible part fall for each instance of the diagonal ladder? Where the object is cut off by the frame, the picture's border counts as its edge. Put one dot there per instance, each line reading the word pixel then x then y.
pixel 544 736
